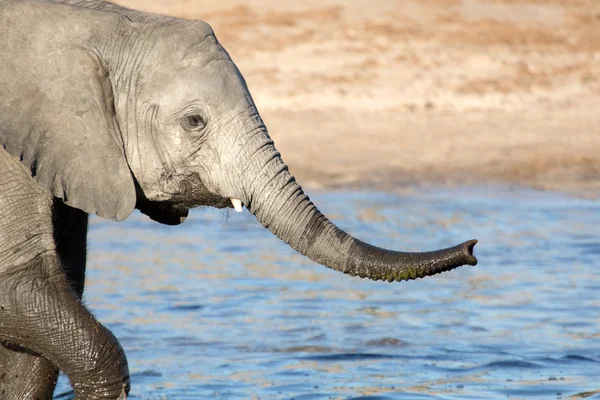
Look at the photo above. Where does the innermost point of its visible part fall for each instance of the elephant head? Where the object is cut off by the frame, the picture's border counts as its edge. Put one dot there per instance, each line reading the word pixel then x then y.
pixel 127 109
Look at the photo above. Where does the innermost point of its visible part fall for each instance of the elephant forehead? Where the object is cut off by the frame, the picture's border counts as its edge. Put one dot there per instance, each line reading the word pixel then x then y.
pixel 202 53
pixel 216 84
pixel 172 58
pixel 182 39
pixel 198 29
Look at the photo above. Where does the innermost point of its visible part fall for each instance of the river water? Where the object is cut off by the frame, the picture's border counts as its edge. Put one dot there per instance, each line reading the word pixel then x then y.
pixel 220 308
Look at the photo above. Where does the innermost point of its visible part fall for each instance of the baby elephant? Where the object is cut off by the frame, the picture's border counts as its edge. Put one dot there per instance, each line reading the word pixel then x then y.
pixel 103 110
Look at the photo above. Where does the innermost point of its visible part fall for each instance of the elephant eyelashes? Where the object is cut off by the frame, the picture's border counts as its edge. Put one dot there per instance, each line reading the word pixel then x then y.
pixel 193 123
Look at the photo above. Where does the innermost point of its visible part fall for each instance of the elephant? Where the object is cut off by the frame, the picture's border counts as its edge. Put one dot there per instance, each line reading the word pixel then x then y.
pixel 104 110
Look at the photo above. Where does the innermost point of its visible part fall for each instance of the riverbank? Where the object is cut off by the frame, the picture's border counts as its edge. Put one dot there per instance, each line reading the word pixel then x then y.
pixel 471 92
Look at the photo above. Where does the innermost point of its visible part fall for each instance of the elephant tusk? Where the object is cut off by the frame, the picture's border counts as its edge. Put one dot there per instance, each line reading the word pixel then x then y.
pixel 237 204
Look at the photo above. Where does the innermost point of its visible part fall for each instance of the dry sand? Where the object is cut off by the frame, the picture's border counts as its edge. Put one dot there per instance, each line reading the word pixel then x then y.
pixel 386 93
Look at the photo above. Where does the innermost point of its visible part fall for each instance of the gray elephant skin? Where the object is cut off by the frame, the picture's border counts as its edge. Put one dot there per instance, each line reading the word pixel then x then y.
pixel 103 110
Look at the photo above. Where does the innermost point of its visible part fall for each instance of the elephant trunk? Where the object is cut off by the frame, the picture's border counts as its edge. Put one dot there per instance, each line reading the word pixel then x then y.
pixel 280 204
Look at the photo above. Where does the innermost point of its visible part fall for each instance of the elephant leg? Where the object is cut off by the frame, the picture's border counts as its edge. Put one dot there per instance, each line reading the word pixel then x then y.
pixel 70 236
pixel 26 376
pixel 40 312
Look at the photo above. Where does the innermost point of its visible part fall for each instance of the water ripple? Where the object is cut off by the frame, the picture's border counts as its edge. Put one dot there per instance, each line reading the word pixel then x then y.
pixel 219 308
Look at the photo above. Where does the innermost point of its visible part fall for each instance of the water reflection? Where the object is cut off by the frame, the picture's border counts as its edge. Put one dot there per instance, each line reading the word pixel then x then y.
pixel 219 308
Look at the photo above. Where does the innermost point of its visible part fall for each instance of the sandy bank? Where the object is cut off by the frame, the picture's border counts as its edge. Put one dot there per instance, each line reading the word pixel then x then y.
pixel 385 93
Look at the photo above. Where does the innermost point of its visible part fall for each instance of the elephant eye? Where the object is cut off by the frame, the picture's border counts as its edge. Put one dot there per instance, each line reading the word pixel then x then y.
pixel 193 123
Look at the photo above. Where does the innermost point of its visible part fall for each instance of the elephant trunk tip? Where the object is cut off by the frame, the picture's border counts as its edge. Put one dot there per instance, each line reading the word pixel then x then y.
pixel 467 248
pixel 434 263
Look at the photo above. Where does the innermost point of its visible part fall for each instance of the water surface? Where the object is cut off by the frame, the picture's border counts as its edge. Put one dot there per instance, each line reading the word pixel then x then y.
pixel 220 308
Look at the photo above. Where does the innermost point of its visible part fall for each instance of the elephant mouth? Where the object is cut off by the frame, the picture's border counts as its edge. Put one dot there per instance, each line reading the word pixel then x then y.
pixel 164 212
pixel 192 193
pixel 173 212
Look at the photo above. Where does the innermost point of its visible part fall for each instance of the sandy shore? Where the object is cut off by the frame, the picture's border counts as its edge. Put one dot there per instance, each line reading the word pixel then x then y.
pixel 385 92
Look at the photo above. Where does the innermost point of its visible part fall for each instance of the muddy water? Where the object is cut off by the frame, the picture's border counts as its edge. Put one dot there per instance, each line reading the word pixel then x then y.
pixel 219 308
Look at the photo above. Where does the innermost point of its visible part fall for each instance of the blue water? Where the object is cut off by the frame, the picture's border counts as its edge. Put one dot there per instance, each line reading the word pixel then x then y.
pixel 220 308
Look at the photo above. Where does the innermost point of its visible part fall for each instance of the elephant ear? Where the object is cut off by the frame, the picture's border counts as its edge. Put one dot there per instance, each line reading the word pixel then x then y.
pixel 68 136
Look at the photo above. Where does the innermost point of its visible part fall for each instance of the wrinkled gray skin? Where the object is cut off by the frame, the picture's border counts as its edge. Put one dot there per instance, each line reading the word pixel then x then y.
pixel 102 110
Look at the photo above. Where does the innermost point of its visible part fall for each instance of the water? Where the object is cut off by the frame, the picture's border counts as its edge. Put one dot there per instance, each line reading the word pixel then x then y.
pixel 220 308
